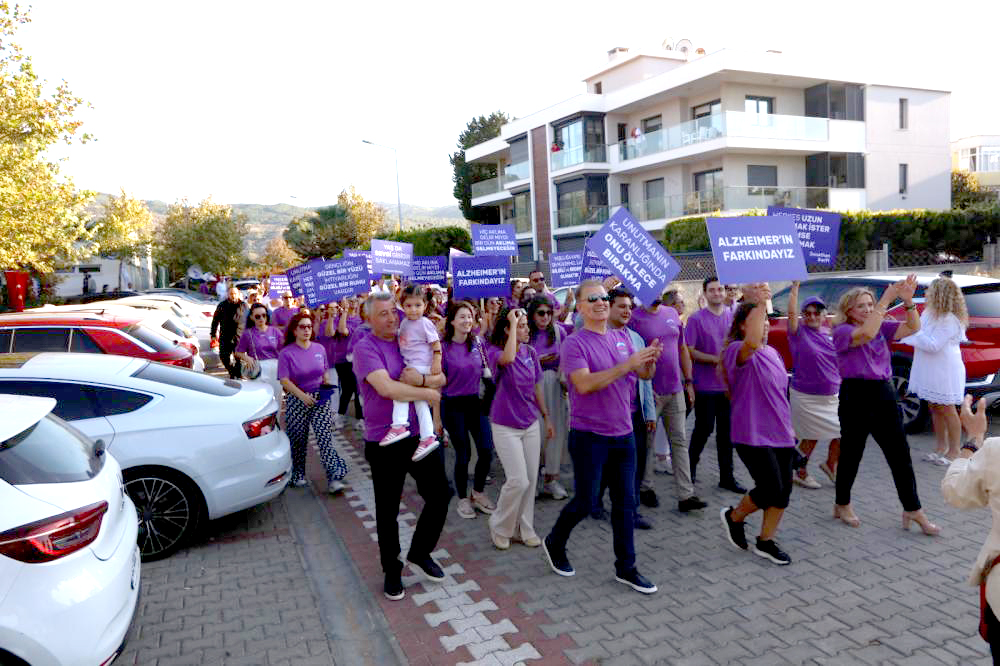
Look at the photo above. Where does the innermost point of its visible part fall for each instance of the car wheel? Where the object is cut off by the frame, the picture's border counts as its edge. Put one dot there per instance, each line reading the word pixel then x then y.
pixel 168 506
pixel 914 411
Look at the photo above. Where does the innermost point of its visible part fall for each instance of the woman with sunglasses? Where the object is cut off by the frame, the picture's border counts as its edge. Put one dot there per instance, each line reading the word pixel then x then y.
pixel 547 337
pixel 815 385
pixel 302 367
pixel 261 342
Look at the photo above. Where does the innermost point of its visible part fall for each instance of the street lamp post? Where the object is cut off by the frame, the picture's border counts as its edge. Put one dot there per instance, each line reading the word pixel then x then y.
pixel 399 205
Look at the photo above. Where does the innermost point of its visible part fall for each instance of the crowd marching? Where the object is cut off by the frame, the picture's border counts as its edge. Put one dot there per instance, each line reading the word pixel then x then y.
pixel 532 378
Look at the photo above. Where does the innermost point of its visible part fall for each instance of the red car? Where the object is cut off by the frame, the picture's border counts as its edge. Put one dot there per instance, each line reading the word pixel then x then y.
pixel 981 354
pixel 39 331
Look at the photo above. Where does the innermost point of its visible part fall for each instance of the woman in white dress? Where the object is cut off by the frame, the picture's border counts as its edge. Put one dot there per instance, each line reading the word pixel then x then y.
pixel 938 373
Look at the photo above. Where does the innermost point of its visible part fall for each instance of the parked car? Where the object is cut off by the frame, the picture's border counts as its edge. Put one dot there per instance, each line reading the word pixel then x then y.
pixel 40 330
pixel 99 296
pixel 69 564
pixel 187 294
pixel 192 447
pixel 981 354
pixel 196 315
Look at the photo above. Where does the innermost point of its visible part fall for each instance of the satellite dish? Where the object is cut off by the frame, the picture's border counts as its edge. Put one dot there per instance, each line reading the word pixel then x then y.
pixel 667 44
pixel 683 46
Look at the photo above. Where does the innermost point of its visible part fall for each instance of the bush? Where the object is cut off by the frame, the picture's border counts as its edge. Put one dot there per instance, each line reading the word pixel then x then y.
pixel 435 241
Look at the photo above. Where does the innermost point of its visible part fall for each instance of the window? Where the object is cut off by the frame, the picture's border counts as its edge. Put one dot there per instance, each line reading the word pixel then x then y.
pixel 48 452
pixel 597 88
pixel 525 251
pixel 762 179
pixel 73 401
pixel 187 379
pixel 652 124
pixel 983 300
pixel 82 343
pixel 807 290
pixel 41 339
pixel 838 101
pixel 904 113
pixel 5 337
pixel 762 105
pixel 903 178
pixel 150 338
pixel 835 170
pixel 623 193
pixel 708 109
pixel 655 204
pixel 114 401
pixel 571 243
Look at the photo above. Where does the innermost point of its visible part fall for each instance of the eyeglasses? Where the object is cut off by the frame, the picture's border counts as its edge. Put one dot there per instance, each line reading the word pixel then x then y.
pixel 593 298
pixel 304 326
pixel 543 313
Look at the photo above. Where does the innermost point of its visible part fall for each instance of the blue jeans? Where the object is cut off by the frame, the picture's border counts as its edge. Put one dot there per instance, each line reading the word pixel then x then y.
pixel 593 454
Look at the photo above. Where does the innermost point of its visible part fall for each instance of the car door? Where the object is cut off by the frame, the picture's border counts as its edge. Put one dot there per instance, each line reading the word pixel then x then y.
pixel 121 407
pixel 75 403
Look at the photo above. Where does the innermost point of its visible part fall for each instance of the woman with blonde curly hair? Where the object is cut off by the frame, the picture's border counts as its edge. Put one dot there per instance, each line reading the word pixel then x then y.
pixel 938 372
pixel 868 405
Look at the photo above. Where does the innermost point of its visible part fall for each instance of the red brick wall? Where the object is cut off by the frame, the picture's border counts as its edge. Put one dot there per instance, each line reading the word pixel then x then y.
pixel 540 176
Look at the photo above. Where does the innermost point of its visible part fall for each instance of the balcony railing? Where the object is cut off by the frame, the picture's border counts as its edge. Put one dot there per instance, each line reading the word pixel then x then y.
pixel 522 223
pixel 484 187
pixel 518 171
pixel 562 159
pixel 574 217
pixel 729 123
pixel 729 198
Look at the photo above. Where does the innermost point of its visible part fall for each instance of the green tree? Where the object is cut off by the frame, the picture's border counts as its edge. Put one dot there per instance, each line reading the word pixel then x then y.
pixel 277 257
pixel 209 235
pixel 350 223
pixel 41 214
pixel 966 191
pixel 478 130
pixel 434 242
pixel 125 230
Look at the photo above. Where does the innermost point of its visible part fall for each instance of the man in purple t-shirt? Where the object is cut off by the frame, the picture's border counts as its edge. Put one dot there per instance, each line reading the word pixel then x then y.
pixel 379 368
pixel 704 335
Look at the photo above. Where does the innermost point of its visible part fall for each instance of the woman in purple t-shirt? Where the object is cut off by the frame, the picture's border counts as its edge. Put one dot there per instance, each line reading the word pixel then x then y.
pixel 335 335
pixel 261 341
pixel 302 367
pixel 516 434
pixel 464 414
pixel 760 424
pixel 867 398
pixel 547 336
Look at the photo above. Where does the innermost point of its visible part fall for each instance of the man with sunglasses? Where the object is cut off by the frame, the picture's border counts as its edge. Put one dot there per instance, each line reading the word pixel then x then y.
pixel 283 314
pixel 536 280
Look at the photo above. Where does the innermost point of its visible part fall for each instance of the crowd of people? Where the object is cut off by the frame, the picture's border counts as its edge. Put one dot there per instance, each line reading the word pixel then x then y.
pixel 532 379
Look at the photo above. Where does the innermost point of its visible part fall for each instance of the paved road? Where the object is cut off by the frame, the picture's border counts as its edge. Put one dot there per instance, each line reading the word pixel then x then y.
pixel 278 585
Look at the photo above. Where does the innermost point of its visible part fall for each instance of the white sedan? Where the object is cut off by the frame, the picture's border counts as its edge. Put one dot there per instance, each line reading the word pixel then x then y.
pixel 192 446
pixel 69 564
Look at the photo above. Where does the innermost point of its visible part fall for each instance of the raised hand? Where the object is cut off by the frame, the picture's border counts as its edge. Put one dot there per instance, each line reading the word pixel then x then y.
pixel 974 423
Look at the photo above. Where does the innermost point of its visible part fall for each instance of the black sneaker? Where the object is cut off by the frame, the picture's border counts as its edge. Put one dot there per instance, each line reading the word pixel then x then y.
pixel 637 582
pixel 393 588
pixel 770 550
pixel 691 504
pixel 734 531
pixel 428 568
pixel 647 497
pixel 733 486
pixel 557 559
pixel 641 523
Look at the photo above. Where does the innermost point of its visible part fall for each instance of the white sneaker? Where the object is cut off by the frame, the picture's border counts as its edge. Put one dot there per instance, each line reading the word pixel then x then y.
pixel 336 487
pixel 465 509
pixel 807 482
pixel 663 466
pixel 555 490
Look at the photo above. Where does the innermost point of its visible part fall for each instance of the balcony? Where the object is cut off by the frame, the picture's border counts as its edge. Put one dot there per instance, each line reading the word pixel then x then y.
pixel 732 198
pixel 727 124
pixel 574 217
pixel 485 187
pixel 515 172
pixel 563 159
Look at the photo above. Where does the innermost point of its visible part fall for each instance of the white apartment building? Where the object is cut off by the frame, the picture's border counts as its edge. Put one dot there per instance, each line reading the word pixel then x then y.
pixel 980 156
pixel 673 132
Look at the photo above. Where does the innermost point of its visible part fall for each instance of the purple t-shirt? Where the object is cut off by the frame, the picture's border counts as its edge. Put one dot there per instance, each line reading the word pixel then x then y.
pixel 760 415
pixel 416 340
pixel 304 367
pixel 261 345
pixel 814 361
pixel 372 353
pixel 282 315
pixel 514 403
pixel 541 344
pixel 358 334
pixel 663 325
pixel 706 332
pixel 867 361
pixel 606 412
pixel 462 367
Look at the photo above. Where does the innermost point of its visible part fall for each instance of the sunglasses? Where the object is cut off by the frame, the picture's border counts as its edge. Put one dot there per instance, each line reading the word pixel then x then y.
pixel 260 316
pixel 544 313
pixel 304 326
pixel 593 298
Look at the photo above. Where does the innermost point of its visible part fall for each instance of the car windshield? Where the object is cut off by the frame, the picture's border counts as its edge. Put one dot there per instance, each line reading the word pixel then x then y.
pixel 187 379
pixel 983 300
pixel 51 451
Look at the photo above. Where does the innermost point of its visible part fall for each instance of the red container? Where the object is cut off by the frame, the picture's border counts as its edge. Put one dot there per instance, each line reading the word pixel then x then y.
pixel 17 289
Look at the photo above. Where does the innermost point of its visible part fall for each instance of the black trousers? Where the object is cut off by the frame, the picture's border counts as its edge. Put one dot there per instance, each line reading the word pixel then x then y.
pixel 389 467
pixel 869 407
pixel 711 412
pixel 348 388
pixel 464 416
pixel 770 468
pixel 227 354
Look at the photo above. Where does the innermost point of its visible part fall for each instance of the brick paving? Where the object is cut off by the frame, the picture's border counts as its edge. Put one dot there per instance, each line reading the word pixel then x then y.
pixel 873 595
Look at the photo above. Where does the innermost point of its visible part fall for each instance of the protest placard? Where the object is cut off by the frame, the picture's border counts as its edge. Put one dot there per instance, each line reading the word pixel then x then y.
pixel 340 278
pixel 277 285
pixel 593 268
pixel 819 232
pixel 361 254
pixel 302 281
pixel 641 263
pixel 430 270
pixel 480 277
pixel 391 257
pixel 498 240
pixel 565 268
pixel 756 249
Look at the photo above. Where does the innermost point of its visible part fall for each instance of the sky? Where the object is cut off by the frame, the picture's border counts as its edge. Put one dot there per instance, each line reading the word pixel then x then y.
pixel 265 102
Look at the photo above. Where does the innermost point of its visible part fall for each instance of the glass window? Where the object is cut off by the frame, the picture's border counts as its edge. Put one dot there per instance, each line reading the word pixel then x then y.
pixel 73 401
pixel 806 290
pixel 569 137
pixel 81 342
pixel 655 204
pixel 150 338
pixel 652 124
pixel 525 251
pixel 519 150
pixel 48 452
pixel 708 180
pixel 762 179
pixel 114 401
pixel 41 339
pixel 5 337
pixel 755 104
pixel 983 300
pixel 904 113
pixel 989 159
pixel 903 178
pixel 571 244
pixel 187 379
pixel 708 109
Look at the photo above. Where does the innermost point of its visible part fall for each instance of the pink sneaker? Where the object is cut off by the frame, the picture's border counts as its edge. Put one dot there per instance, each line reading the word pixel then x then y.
pixel 395 434
pixel 427 445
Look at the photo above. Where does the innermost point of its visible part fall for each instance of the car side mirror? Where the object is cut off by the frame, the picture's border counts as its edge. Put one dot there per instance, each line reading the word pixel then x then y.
pixel 99 448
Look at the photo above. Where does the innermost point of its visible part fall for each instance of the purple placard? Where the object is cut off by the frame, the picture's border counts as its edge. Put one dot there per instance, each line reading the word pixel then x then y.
pixel 819 232
pixel 391 257
pixel 499 240
pixel 277 285
pixel 340 278
pixel 430 270
pixel 644 267
pixel 756 249
pixel 452 253
pixel 565 268
pixel 301 281
pixel 593 268
pixel 480 277
pixel 361 254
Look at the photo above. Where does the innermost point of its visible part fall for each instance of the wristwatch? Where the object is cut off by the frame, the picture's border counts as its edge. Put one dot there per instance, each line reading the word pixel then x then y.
pixel 969 445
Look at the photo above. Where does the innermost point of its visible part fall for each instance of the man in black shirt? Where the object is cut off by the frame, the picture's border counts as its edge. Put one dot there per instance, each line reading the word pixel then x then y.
pixel 225 325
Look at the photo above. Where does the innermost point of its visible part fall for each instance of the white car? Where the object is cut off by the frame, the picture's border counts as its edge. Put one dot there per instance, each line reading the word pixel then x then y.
pixel 197 316
pixel 69 564
pixel 192 446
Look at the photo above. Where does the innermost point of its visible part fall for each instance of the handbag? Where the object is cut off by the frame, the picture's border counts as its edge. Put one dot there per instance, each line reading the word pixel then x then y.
pixel 487 387
pixel 251 369
pixel 983 627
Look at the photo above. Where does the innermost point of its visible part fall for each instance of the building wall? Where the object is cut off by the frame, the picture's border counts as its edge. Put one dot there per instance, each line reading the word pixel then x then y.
pixel 791 169
pixel 636 70
pixel 106 272
pixel 541 187
pixel 923 147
